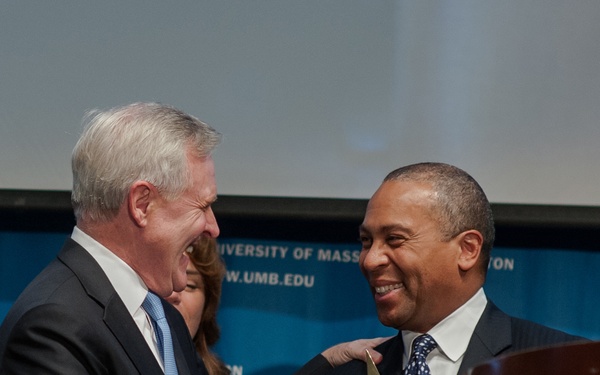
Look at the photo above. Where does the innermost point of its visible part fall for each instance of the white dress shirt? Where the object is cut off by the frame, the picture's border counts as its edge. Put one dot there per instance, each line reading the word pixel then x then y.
pixel 129 286
pixel 452 336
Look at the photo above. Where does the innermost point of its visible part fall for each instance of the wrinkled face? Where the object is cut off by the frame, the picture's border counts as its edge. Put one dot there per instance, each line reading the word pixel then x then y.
pixel 174 225
pixel 411 272
pixel 190 302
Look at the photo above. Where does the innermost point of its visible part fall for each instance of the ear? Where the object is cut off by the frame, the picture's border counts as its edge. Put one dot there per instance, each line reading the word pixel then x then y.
pixel 470 242
pixel 140 196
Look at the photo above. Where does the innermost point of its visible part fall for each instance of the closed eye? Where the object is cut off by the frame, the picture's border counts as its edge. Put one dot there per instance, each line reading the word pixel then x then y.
pixel 366 242
pixel 395 241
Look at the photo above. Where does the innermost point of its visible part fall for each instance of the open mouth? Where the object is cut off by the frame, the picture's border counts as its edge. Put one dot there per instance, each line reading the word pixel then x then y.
pixel 382 290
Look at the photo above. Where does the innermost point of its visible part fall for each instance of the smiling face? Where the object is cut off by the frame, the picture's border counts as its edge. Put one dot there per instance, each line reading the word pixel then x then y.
pixel 414 275
pixel 173 225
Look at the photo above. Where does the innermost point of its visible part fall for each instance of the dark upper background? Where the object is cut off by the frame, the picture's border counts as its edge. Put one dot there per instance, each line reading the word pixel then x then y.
pixel 319 219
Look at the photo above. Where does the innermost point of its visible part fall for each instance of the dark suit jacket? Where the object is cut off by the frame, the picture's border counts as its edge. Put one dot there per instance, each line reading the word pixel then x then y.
pixel 495 334
pixel 70 320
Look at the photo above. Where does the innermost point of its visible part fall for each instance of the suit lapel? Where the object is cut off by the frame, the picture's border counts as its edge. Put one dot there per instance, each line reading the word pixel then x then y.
pixel 121 324
pixel 182 366
pixel 185 351
pixel 116 316
pixel 392 351
pixel 492 336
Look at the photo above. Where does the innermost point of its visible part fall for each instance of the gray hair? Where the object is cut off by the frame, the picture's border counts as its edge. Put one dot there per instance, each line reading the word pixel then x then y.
pixel 140 141
pixel 460 202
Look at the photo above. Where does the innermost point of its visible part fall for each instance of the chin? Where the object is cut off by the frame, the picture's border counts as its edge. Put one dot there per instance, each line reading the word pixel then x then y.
pixel 388 318
pixel 386 321
pixel 178 287
pixel 179 279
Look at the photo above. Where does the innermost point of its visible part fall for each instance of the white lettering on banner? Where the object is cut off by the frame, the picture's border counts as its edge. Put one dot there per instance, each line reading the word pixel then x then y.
pixel 250 250
pixel 501 264
pixel 291 279
pixel 235 370
pixel 270 278
pixel 342 256
pixel 302 253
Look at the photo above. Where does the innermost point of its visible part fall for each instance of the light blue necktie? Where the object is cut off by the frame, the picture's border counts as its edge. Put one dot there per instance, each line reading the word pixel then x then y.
pixel 422 346
pixel 153 306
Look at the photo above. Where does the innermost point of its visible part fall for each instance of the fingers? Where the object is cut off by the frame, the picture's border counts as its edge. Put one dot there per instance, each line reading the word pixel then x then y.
pixel 345 352
pixel 357 348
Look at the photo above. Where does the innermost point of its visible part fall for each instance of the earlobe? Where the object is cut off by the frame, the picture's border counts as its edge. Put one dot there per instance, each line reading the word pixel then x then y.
pixel 138 201
pixel 470 244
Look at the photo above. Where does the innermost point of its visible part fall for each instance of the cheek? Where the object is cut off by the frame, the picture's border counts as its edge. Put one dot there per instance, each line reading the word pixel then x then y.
pixel 189 311
pixel 200 301
pixel 441 264
pixel 195 305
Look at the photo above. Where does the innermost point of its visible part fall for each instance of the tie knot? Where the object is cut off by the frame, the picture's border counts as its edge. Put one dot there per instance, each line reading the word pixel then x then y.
pixel 153 306
pixel 423 345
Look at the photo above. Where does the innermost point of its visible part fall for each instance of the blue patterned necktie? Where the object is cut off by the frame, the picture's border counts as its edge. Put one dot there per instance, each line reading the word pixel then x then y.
pixel 422 346
pixel 153 306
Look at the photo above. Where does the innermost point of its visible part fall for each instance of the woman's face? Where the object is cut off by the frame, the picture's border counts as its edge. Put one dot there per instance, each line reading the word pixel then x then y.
pixel 190 301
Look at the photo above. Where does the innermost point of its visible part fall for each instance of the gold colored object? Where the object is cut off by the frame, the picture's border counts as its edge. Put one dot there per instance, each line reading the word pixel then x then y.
pixel 371 368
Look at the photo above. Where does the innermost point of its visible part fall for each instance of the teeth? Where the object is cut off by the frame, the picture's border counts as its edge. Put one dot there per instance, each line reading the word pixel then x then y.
pixel 189 249
pixel 387 288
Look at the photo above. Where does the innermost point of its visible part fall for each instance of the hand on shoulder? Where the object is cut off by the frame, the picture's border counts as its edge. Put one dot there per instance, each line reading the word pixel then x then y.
pixel 345 352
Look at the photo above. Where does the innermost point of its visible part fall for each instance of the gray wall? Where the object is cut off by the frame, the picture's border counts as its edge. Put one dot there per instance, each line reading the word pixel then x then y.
pixel 318 98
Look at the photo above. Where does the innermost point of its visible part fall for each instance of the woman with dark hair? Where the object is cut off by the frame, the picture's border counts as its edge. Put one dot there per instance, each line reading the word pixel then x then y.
pixel 199 301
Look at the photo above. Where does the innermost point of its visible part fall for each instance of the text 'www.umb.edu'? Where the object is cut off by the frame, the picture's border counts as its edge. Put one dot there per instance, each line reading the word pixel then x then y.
pixel 270 278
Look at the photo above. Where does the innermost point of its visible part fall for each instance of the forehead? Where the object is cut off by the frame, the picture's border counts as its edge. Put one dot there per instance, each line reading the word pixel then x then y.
pixel 404 203
pixel 202 170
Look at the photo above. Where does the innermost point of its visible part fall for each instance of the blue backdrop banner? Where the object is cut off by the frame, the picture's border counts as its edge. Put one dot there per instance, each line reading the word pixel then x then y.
pixel 284 302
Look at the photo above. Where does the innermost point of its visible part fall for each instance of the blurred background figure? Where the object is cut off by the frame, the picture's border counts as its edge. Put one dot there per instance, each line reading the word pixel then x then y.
pixel 199 301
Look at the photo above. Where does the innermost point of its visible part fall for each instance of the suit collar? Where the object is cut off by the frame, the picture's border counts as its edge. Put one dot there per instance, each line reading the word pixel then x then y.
pixel 392 359
pixel 492 336
pixel 126 282
pixel 116 316
pixel 87 270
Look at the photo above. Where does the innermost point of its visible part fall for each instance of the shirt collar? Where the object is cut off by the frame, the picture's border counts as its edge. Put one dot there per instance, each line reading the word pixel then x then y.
pixel 454 332
pixel 129 285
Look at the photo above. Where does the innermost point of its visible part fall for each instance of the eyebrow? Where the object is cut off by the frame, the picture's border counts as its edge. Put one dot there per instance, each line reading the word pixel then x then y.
pixel 193 272
pixel 387 228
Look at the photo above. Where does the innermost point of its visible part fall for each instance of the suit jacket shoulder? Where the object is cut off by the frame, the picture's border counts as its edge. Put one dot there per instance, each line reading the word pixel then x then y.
pixel 497 333
pixel 70 320
pixel 391 350
pixel 317 365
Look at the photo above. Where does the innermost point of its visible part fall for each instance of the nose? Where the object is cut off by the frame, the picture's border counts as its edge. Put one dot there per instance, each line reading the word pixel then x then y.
pixel 373 258
pixel 174 298
pixel 212 228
